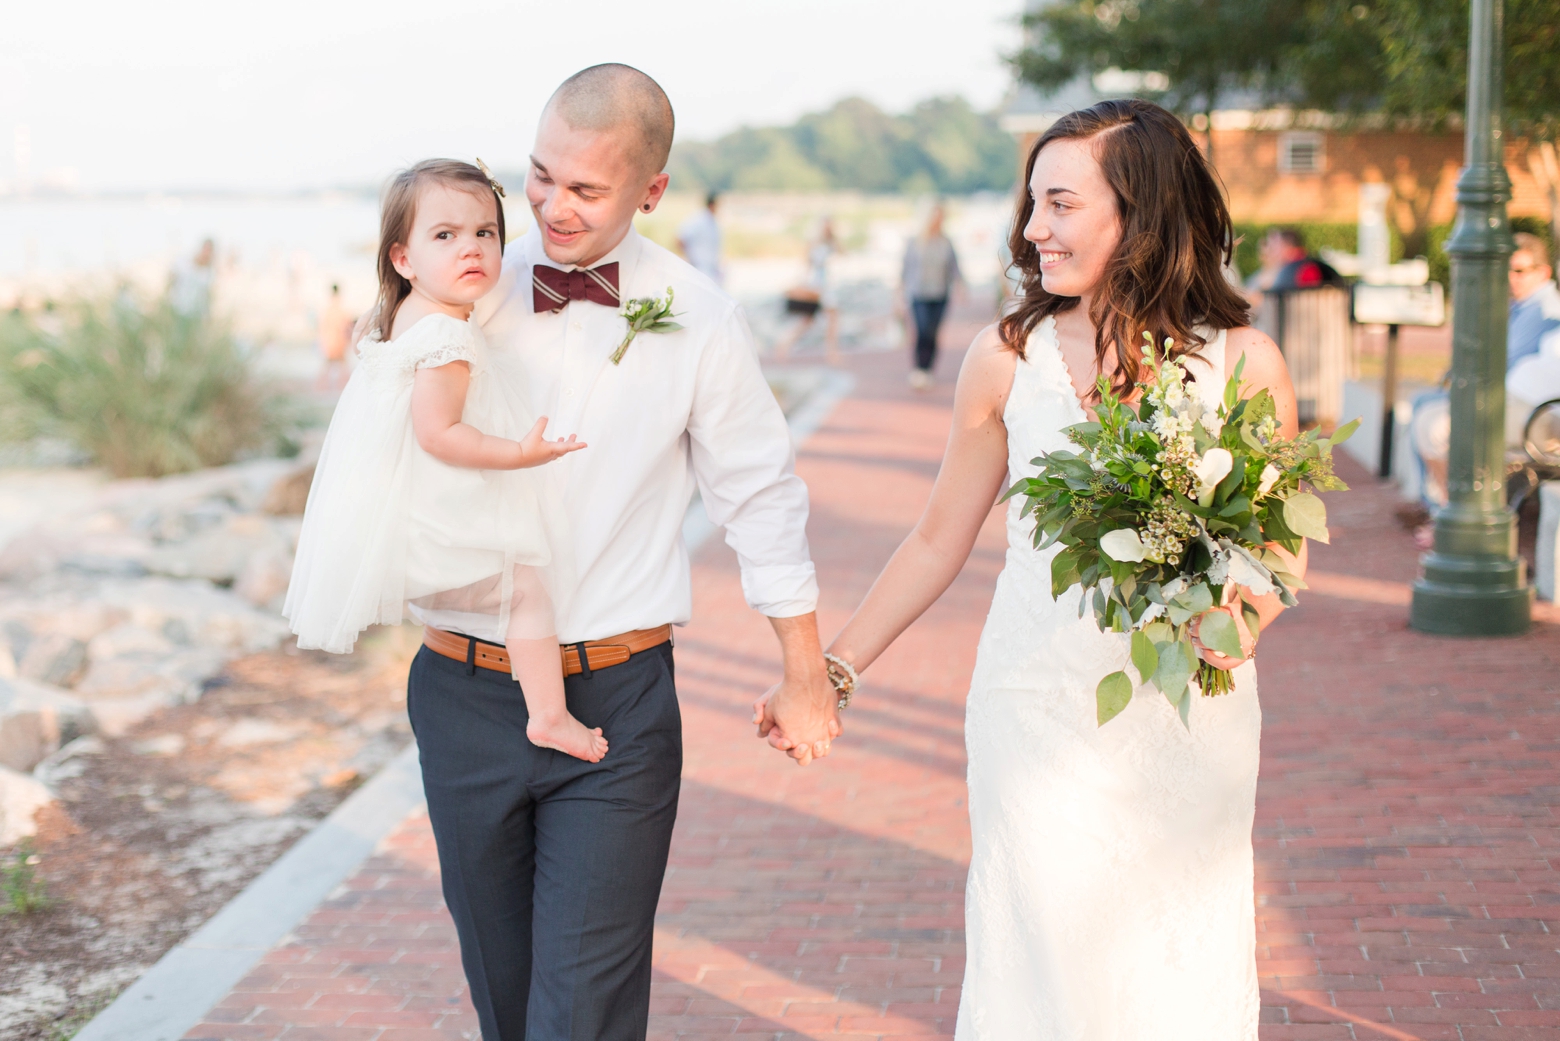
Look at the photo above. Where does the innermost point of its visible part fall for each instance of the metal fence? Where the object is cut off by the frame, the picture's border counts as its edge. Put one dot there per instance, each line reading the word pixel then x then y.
pixel 1312 328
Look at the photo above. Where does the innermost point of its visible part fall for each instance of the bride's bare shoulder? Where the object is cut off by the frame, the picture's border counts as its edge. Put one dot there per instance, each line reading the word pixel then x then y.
pixel 987 373
pixel 1264 369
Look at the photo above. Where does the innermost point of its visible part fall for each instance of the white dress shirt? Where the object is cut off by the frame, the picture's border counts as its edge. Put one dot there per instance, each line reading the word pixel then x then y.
pixel 683 411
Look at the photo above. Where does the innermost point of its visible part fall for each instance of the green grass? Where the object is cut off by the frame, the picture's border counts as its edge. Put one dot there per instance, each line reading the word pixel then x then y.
pixel 21 887
pixel 142 388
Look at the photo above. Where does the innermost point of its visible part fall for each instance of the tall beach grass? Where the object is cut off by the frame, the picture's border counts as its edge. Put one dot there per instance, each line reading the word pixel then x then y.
pixel 142 387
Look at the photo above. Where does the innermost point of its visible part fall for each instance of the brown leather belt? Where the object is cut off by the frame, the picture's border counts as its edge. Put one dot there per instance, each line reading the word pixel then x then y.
pixel 599 654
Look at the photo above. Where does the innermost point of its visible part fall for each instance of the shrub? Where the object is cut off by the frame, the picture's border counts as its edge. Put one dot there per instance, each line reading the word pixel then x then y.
pixel 144 389
pixel 21 890
pixel 1441 263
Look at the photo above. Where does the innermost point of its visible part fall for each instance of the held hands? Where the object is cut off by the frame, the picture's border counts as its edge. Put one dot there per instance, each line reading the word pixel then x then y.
pixel 536 450
pixel 798 714
pixel 799 717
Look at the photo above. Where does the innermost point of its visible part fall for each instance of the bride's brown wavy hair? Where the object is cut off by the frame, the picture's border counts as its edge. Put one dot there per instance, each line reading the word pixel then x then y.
pixel 1167 274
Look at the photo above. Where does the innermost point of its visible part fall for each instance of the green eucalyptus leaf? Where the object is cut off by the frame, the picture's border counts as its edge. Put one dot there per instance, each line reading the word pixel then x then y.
pixel 1237 505
pixel 1197 599
pixel 1176 666
pixel 1159 632
pixel 1144 658
pixel 1064 570
pixel 1344 432
pixel 1184 710
pixel 1233 480
pixel 1218 632
pixel 1306 516
pixel 1111 696
pixel 1328 483
pixel 1253 619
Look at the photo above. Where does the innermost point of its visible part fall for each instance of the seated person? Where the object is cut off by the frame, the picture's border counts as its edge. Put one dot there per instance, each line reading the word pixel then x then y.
pixel 1286 266
pixel 1532 367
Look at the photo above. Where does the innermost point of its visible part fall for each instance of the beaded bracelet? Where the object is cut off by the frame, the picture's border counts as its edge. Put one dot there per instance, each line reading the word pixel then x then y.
pixel 843 676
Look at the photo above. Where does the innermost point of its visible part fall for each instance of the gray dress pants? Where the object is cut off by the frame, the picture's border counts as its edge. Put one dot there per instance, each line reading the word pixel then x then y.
pixel 551 866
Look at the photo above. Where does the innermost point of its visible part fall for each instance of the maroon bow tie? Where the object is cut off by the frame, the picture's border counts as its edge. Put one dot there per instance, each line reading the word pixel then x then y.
pixel 551 289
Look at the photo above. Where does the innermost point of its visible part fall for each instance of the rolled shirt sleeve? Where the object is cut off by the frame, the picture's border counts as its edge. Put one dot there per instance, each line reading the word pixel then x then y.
pixel 744 465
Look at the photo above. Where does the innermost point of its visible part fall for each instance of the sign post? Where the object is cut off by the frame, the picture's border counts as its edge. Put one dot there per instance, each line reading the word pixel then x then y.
pixel 1395 306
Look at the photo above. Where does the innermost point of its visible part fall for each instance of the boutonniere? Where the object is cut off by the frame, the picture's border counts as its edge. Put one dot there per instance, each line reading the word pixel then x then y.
pixel 646 314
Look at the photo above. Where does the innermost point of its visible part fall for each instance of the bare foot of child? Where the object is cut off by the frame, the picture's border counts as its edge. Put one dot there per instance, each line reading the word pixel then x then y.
pixel 567 735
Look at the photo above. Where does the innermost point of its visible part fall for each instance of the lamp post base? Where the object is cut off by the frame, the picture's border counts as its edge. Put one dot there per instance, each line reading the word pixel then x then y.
pixel 1469 597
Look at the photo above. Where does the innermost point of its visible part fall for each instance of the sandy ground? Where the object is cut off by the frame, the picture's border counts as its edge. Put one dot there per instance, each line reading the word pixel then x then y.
pixel 164 826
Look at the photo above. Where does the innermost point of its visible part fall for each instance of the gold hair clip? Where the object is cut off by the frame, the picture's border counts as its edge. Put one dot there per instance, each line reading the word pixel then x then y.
pixel 491 179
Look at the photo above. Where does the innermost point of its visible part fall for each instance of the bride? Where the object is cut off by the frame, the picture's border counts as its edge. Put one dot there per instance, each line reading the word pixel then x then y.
pixel 1110 889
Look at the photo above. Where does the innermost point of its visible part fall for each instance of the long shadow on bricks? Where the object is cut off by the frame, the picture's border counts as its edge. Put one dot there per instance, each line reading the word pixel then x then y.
pixel 803 921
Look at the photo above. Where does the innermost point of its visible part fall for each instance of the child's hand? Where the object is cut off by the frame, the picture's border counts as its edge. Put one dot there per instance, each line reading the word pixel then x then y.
pixel 536 449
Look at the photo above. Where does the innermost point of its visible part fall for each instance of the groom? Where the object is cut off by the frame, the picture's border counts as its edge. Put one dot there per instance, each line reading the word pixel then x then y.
pixel 552 866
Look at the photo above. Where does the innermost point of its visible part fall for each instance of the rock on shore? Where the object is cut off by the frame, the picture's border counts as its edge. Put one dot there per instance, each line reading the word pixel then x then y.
pixel 133 600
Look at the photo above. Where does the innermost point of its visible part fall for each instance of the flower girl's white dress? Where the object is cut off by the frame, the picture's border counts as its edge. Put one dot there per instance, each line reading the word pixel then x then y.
pixel 387 524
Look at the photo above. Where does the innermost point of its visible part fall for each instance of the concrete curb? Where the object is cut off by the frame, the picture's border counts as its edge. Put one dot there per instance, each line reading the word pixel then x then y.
pixel 187 981
pixel 176 993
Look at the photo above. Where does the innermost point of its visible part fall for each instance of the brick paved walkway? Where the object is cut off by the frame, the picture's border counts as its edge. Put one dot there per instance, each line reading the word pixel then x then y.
pixel 1405 824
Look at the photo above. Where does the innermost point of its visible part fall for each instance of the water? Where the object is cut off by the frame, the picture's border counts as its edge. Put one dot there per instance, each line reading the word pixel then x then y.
pixel 44 237
pixel 278 257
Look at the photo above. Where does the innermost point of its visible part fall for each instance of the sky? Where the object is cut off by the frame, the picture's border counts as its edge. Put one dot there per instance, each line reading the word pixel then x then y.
pixel 170 95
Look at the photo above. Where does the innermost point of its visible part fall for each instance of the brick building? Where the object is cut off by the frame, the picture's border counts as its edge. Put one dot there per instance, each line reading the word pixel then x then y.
pixel 1281 166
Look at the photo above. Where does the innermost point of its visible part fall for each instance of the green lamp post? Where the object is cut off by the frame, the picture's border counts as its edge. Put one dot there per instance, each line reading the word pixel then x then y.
pixel 1474 583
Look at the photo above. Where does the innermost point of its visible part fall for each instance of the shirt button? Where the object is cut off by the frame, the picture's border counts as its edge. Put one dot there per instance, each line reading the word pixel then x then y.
pixel 568 393
pixel 575 326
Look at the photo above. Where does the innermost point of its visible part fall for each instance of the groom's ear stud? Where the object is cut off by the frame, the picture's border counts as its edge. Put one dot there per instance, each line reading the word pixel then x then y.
pixel 647 207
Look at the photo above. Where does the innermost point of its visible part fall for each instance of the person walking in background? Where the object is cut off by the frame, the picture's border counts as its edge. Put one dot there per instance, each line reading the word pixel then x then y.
pixel 813 295
pixel 190 291
pixel 698 239
pixel 931 268
pixel 333 332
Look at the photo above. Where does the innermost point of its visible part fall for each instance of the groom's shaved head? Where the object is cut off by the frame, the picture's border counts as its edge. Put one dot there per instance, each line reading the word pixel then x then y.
pixel 612 96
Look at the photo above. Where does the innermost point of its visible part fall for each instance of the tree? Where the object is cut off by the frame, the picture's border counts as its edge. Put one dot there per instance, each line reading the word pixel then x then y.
pixel 1398 57
pixel 1203 49
pixel 941 145
pixel 1403 59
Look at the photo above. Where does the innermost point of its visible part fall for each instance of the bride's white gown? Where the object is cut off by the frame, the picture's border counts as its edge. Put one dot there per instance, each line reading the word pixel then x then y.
pixel 1110 888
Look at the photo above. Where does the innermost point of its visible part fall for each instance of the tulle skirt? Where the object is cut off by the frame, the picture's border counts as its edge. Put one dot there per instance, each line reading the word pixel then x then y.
pixel 387 524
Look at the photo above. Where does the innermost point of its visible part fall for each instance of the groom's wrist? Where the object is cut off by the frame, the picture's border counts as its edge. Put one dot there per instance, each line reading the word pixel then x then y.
pixel 800 649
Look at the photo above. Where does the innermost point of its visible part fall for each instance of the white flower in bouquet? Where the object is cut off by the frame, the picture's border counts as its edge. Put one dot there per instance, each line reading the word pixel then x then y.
pixel 1270 476
pixel 1212 468
pixel 1123 544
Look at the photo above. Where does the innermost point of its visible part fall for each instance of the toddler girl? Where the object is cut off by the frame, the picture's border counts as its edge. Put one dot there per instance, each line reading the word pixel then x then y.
pixel 424 491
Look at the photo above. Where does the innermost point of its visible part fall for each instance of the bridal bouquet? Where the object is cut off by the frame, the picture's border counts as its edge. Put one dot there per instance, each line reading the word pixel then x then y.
pixel 1169 509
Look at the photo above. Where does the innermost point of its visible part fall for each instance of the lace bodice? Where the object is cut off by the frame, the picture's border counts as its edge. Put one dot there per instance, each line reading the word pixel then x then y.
pixel 433 340
pixel 1110 893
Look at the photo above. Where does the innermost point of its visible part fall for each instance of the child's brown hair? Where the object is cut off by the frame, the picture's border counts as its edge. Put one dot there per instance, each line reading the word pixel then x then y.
pixel 398 211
